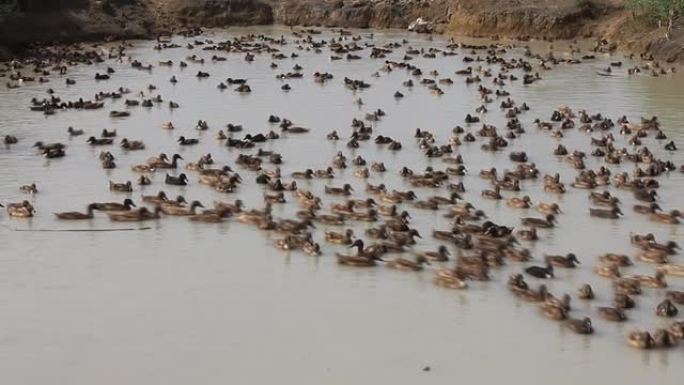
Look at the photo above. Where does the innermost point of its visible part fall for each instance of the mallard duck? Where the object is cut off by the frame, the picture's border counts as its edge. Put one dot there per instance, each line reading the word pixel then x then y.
pixel 672 269
pixel 666 309
pixel 646 209
pixel 121 187
pixel 361 259
pixel 580 326
pixel 520 203
pixel 676 329
pixel 613 213
pixel 141 214
pixel 132 145
pixel 340 238
pixel 670 218
pixel 615 259
pixel 585 292
pixel 181 210
pixel 531 295
pixel 569 260
pixel 492 194
pixel 544 223
pixel 180 180
pixel 608 270
pixel 144 180
pixel 75 215
pixel 623 301
pixel 553 312
pixel 407 264
pixel 670 247
pixel 93 141
pixel 548 208
pixel 344 190
pixel 640 340
pixel 657 281
pixel 163 164
pixel 540 271
pixel 210 216
pixel 441 255
pixel 313 249
pixel 653 256
pixel 29 188
pixel 232 208
pixel 20 210
pixel 115 206
pixel 612 314
pixel 450 278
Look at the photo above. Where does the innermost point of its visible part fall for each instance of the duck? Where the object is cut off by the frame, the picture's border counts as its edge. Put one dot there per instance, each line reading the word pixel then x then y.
pixel 553 312
pixel 75 215
pixel 159 198
pixel 115 206
pixel 181 210
pixel 653 256
pixel 540 271
pixel 361 259
pixel 613 213
pixel 229 208
pixel 569 261
pixel 340 238
pixel 344 190
pixel 144 180
pixel 209 216
pixel 670 218
pixel 132 145
pixel 646 209
pixel 407 264
pixel 612 314
pixel 543 223
pixel 121 187
pixel 183 141
pixel 441 255
pixel 141 214
pixel 163 163
pixel 23 209
pixel 657 281
pixel 312 249
pixel 450 279
pixel 520 203
pixel 585 292
pixel 615 259
pixel 623 301
pixel 666 309
pixel 672 269
pixel 580 326
pixel 180 180
pixel 99 142
pixel 29 188
pixel 492 194
pixel 548 208
pixel 640 340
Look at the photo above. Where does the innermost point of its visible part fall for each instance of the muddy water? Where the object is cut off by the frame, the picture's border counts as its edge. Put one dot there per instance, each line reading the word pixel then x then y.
pixel 187 303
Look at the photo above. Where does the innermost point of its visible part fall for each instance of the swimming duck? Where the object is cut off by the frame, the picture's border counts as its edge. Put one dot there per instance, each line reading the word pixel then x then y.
pixel 540 271
pixel 132 145
pixel 657 281
pixel 115 206
pixel 492 194
pixel 29 188
pixel 580 326
pixel 407 264
pixel 344 190
pixel 640 340
pixel 144 180
pixel 99 142
pixel 585 292
pixel 666 309
pixel 163 163
pixel 548 208
pixel 229 208
pixel 672 269
pixel 562 261
pixel 646 209
pixel 180 210
pixel 361 259
pixel 121 187
pixel 345 238
pixel 615 259
pixel 520 203
pixel 450 278
pixel 553 312
pixel 75 215
pixel 544 223
pixel 155 199
pixel 20 210
pixel 441 255
pixel 142 214
pixel 653 256
pixel 623 301
pixel 612 314
pixel 180 180
pixel 669 218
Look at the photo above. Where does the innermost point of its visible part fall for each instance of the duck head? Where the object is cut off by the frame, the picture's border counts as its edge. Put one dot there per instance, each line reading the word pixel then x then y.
pixel 128 203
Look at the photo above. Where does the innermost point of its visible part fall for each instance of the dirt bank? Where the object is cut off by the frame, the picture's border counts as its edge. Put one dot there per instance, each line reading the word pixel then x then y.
pixel 76 20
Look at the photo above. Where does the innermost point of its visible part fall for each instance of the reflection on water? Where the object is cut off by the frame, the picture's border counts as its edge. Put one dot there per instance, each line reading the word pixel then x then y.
pixel 184 303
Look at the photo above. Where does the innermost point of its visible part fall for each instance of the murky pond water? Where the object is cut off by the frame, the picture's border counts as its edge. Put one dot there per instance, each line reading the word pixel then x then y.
pixel 199 303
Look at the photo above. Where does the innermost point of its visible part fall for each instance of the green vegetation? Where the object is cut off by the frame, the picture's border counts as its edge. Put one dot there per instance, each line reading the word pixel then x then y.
pixel 662 12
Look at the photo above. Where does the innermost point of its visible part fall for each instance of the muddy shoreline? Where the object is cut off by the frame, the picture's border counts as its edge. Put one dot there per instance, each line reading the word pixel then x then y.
pixel 67 21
